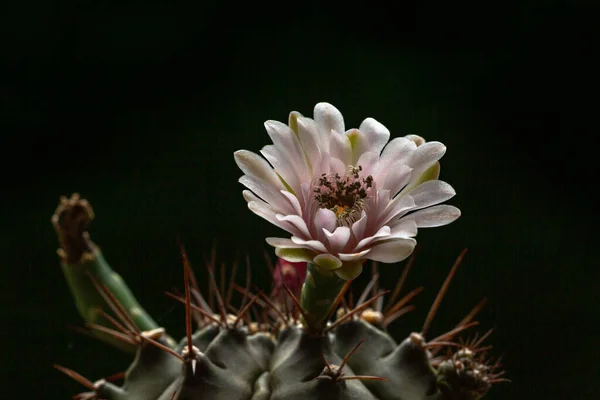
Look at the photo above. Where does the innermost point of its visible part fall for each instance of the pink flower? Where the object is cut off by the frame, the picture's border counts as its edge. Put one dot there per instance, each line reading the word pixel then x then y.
pixel 290 274
pixel 345 196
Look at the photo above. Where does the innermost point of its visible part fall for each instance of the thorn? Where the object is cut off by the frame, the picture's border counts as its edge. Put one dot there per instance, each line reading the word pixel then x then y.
pixel 392 313
pixel 247 288
pixel 114 304
pixel 276 292
pixel 230 284
pixel 160 346
pixel 83 331
pixel 441 343
pixel 193 284
pixel 354 311
pixel 351 300
pixel 270 303
pixel 114 322
pixel 441 293
pixel 400 283
pixel 76 376
pixel 117 335
pixel 481 340
pixel 173 395
pixel 362 378
pixel 345 360
pixel 245 309
pixel 338 299
pixel 222 280
pixel 196 308
pixel 85 396
pixel 115 377
pixel 367 289
pixel 335 373
pixel 188 300
pixel 200 300
pixel 269 263
pixel 242 290
pixel 375 272
pixel 391 318
pixel 473 312
pixel 452 333
pixel 296 302
pixel 213 284
pixel 210 265
pixel 327 365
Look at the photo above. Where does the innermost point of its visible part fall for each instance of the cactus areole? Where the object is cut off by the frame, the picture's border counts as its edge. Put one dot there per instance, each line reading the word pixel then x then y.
pixel 346 197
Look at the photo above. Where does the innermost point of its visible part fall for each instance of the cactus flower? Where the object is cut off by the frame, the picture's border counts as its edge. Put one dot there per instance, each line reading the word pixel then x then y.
pixel 345 196
pixel 290 274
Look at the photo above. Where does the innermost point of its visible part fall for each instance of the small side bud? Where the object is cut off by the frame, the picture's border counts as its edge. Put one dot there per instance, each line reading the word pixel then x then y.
pixel 71 221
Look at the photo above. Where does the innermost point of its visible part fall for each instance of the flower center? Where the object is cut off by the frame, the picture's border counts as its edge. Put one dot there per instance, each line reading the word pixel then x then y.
pixel 343 195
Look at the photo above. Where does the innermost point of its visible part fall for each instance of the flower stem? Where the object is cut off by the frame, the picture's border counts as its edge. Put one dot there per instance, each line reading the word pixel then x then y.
pixel 319 291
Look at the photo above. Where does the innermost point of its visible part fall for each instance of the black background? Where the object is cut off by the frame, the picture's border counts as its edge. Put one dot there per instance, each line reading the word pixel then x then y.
pixel 139 107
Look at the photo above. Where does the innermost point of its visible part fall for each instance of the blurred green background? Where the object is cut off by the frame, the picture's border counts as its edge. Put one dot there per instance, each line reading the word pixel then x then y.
pixel 139 106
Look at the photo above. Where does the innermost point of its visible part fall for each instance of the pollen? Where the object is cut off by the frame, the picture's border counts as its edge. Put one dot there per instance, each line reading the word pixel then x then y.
pixel 344 195
pixel 339 210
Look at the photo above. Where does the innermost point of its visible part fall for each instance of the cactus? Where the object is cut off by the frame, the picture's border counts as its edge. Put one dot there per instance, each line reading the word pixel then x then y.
pixel 306 338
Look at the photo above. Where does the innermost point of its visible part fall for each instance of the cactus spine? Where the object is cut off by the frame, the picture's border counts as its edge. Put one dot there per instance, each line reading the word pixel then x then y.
pixel 315 347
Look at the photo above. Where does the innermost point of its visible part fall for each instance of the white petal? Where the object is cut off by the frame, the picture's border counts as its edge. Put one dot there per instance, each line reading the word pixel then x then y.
pixel 376 133
pixel 313 244
pixel 392 251
pixel 425 156
pixel 325 219
pixel 268 193
pixel 263 210
pixel 305 195
pixel 257 167
pixel 327 261
pixel 309 140
pixel 282 167
pixel 353 256
pixel 383 232
pixel 358 228
pixel 337 166
pixel 398 206
pixel 399 150
pixel 404 229
pixel 293 201
pixel 293 120
pixel 369 162
pixel 338 239
pixel 249 196
pixel 340 148
pixel 358 142
pixel 297 222
pixel 328 118
pixel 397 178
pixel 283 243
pixel 383 198
pixel 431 192
pixel 288 145
pixel 416 138
pixel 434 216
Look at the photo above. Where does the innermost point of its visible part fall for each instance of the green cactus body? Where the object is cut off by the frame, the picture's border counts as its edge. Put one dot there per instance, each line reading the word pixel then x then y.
pixel 235 364
pixel 232 357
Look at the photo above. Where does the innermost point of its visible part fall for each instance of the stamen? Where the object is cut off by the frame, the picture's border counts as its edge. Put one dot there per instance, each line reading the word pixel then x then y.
pixel 345 196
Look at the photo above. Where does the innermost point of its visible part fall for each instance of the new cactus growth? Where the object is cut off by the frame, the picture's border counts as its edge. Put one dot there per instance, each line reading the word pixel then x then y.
pixel 346 197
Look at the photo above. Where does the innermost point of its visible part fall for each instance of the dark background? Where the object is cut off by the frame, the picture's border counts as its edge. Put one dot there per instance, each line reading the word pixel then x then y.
pixel 139 107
